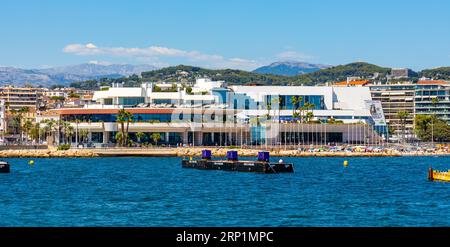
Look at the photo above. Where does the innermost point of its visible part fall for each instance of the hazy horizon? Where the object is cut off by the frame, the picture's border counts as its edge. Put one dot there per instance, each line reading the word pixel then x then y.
pixel 48 33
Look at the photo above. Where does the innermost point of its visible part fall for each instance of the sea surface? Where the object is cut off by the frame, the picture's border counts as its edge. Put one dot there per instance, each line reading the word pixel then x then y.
pixel 158 192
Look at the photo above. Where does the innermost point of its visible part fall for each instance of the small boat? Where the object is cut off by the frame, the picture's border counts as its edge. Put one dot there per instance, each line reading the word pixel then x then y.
pixel 262 165
pixel 435 175
pixel 4 167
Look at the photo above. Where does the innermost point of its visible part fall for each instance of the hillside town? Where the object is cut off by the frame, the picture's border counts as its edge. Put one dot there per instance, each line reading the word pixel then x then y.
pixel 358 113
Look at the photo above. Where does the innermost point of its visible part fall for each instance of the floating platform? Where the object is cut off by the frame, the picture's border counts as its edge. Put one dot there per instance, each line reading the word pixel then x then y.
pixel 4 167
pixel 435 175
pixel 262 165
pixel 239 166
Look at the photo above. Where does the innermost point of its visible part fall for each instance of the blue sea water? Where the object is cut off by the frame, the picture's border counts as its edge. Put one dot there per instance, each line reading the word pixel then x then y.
pixel 158 192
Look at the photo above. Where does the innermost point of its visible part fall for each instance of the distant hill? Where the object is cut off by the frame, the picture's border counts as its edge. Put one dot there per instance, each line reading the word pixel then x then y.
pixel 183 73
pixel 67 74
pixel 18 77
pixel 232 76
pixel 341 72
pixel 290 68
pixel 441 73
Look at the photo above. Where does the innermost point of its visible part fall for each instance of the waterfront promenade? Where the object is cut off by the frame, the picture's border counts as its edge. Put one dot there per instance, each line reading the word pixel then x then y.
pixel 196 152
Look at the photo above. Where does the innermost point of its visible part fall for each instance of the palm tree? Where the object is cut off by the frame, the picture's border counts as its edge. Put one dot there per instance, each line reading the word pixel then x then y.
pixel 124 117
pixel 309 114
pixel 269 107
pixel 403 115
pixel 26 128
pixel 50 127
pixel 300 107
pixel 156 137
pixel 294 102
pixel 35 133
pixel 84 134
pixel 139 136
pixel 16 122
pixel 119 137
pixel 69 132
pixel 65 129
pixel 21 112
pixel 77 121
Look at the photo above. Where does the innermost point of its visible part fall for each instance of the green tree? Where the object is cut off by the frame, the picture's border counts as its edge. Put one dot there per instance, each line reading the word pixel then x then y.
pixel 294 102
pixel 424 124
pixel 84 135
pixel 300 107
pixel 124 118
pixel 119 137
pixel 65 126
pixel 35 132
pixel 403 116
pixel 139 136
pixel 269 108
pixel 49 129
pixel 309 115
pixel 26 128
pixel 155 137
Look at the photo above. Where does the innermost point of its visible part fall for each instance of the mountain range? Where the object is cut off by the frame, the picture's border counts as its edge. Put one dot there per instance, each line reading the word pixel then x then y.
pixel 185 73
pixel 92 76
pixel 290 68
pixel 66 74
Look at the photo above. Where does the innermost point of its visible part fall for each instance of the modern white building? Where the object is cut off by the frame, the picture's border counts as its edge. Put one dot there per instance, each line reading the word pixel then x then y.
pixel 348 104
pixel 209 113
pixel 167 94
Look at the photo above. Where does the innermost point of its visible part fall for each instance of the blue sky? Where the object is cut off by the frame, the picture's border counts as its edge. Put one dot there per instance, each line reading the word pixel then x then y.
pixel 231 33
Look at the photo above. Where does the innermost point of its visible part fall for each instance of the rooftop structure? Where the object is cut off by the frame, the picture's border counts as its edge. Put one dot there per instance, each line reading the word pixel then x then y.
pixel 399 73
pixel 175 95
pixel 352 83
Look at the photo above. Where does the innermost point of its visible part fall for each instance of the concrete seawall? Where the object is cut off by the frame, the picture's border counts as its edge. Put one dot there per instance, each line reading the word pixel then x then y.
pixel 194 152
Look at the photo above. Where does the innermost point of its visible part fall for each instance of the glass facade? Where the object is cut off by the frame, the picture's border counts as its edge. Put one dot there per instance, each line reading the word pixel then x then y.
pixel 287 104
pixel 426 94
pixel 164 101
pixel 222 95
pixel 164 118
pixel 131 101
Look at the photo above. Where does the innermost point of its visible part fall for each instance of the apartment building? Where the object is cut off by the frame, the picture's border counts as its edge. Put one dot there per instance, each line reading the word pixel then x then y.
pixel 16 98
pixel 432 97
pixel 396 98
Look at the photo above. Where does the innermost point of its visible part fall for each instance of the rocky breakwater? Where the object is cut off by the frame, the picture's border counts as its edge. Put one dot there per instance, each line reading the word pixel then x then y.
pixel 47 153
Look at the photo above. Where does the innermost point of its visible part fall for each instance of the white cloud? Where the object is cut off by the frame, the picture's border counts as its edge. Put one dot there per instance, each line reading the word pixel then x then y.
pixel 154 53
pixel 99 62
pixel 91 46
pixel 293 55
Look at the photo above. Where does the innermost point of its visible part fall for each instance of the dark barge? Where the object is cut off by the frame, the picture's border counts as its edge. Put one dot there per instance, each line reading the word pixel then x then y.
pixel 262 165
pixel 4 167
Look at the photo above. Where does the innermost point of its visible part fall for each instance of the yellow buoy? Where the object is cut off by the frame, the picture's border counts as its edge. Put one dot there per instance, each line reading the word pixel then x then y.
pixel 345 163
pixel 31 162
pixel 190 157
